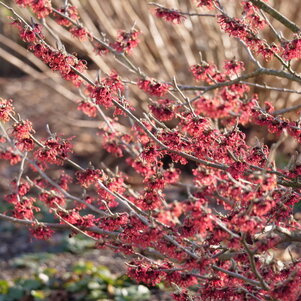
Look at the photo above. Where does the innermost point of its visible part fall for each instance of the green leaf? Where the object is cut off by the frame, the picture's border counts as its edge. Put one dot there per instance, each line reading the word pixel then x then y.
pixel 93 285
pixel 30 284
pixel 4 286
pixel 15 293
pixel 50 271
pixel 107 277
pixel 38 295
pixel 84 268
pixel 122 281
pixel 133 293
pixel 31 260
pixel 97 295
pixel 78 286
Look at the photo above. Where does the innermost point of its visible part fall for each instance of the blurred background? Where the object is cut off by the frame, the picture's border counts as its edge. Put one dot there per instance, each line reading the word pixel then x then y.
pixel 165 50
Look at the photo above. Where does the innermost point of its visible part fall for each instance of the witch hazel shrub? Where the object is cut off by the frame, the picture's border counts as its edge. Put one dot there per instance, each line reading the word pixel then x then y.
pixel 210 206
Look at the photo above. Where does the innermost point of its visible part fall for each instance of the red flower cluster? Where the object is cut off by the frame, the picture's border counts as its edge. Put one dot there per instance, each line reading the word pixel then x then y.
pixel 55 150
pixel 6 108
pixel 239 29
pixel 206 72
pixel 163 109
pixel 89 177
pixel 81 33
pixel 144 272
pixel 207 3
pixel 100 49
pixel 87 108
pixel 22 133
pixel 29 34
pixel 233 67
pixel 292 49
pixel 22 130
pixel 126 41
pixel 114 222
pixel 276 124
pixel 41 232
pixel 67 65
pixel 105 91
pixel 102 95
pixel 112 143
pixel 10 156
pixel 250 12
pixel 115 185
pixel 71 12
pixel 41 8
pixel 169 15
pixel 153 87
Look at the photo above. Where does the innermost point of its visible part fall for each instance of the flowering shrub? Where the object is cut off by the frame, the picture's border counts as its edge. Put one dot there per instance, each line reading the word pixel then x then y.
pixel 235 205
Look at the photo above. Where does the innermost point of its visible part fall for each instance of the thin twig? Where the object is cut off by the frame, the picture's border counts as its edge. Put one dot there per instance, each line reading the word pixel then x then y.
pixel 182 13
pixel 276 14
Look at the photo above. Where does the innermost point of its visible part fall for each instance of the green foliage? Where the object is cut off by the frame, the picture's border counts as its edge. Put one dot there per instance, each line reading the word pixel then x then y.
pixel 83 282
pixel 31 260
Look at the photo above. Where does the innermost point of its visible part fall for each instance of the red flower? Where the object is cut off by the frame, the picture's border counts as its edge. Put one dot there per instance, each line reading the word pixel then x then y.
pixel 55 150
pixel 71 12
pixel 292 49
pixel 6 108
pixel 235 27
pixel 103 96
pixel 100 49
pixel 182 279
pixel 234 67
pixel 207 3
pixel 153 87
pixel 26 144
pixel 195 126
pixel 114 222
pixel 112 143
pixel 115 185
pixel 237 169
pixel 52 201
pixel 25 209
pixel 163 109
pixel 126 41
pixel 150 200
pixel 22 130
pixel 41 232
pixel 145 272
pixel 89 177
pixel 81 33
pixel 31 35
pixel 64 180
pixel 9 155
pixel 206 72
pixel 41 8
pixel 113 81
pixel 169 15
pixel 87 108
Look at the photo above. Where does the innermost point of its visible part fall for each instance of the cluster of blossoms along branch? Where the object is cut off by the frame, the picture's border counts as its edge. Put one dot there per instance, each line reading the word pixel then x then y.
pixel 134 233
pixel 209 254
pixel 276 124
pixel 245 28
